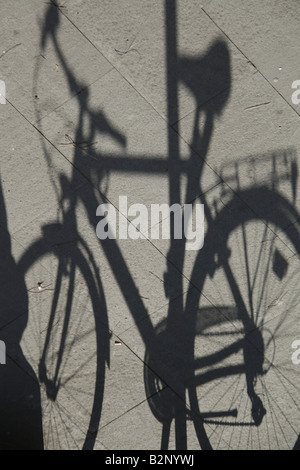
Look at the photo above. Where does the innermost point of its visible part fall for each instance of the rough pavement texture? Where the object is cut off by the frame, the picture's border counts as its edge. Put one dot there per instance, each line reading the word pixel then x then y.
pixel 135 342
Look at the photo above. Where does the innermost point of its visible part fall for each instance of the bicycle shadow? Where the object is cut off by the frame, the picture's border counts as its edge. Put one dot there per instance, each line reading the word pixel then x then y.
pixel 169 359
pixel 20 402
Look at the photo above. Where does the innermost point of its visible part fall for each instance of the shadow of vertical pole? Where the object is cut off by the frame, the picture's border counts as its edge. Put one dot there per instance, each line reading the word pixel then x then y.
pixel 165 435
pixel 176 249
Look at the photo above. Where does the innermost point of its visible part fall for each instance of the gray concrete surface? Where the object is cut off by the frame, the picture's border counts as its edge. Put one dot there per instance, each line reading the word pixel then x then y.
pixel 109 352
